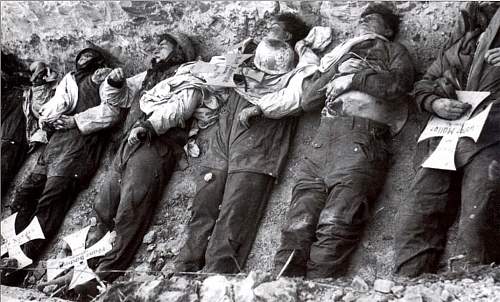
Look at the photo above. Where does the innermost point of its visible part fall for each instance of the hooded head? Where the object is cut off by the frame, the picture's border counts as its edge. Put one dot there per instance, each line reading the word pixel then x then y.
pixel 173 49
pixel 41 73
pixel 379 18
pixel 287 27
pixel 89 60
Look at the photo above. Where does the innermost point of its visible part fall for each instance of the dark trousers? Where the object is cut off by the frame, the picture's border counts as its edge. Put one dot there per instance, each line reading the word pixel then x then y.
pixel 336 187
pixel 226 213
pixel 128 201
pixel 432 206
pixel 47 198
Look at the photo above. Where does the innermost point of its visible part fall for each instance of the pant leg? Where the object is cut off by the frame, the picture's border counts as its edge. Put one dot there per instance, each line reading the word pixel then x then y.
pixel 142 182
pixel 107 203
pixel 299 232
pixel 244 203
pixel 340 225
pixel 479 226
pixel 204 213
pixel 105 207
pixel 26 198
pixel 424 218
pixel 57 197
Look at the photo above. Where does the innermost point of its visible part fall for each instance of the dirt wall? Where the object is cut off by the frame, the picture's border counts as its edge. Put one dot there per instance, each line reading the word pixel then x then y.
pixel 55 31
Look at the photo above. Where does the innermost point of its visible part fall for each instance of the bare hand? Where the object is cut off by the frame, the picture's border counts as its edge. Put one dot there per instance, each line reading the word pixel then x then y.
pixel 247 113
pixel 338 86
pixel 117 75
pixel 352 66
pixel 492 56
pixel 65 123
pixel 449 109
pixel 494 170
pixel 136 134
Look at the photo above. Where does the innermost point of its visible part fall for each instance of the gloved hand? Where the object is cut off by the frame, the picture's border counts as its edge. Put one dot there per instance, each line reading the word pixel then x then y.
pixel 247 113
pixel 65 123
pixel 136 135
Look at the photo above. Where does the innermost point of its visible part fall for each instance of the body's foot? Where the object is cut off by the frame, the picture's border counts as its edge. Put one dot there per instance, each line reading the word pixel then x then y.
pixel 88 290
pixel 58 284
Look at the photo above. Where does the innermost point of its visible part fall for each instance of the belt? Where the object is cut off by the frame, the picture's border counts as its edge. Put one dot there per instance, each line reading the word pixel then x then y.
pixel 349 122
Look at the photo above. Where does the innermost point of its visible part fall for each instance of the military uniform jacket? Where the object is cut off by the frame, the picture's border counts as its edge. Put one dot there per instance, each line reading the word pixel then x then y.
pixel 262 148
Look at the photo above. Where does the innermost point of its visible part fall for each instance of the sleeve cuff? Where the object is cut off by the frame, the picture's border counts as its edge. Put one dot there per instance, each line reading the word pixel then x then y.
pixel 79 125
pixel 148 126
pixel 359 79
pixel 116 84
pixel 427 103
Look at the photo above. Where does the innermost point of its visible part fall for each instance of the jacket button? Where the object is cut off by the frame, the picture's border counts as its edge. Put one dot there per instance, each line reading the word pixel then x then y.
pixel 316 145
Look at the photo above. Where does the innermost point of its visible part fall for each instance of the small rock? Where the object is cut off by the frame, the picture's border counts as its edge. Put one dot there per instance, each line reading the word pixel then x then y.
pixel 445 296
pixel 152 257
pixel 151 247
pixel 149 237
pixel 243 290
pixel 489 281
pixel 49 289
pixel 216 288
pixel 383 286
pixel 179 283
pixel 281 290
pixel 159 264
pixel 359 284
pixel 349 297
pixel 412 294
pixel 338 294
pixel 208 177
pixel 172 296
pixel 454 290
pixel 32 280
pixel 432 294
pixel 372 298
pixel 398 290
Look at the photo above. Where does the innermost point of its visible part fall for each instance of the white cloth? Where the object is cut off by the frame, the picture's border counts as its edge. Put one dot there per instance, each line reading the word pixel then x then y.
pixel 173 101
pixel 63 102
pixel 93 119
